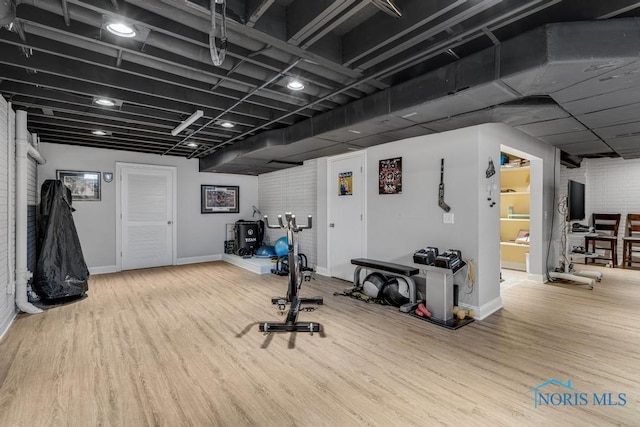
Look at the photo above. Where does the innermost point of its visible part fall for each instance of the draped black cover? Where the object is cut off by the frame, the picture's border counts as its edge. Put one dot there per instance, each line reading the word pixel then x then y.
pixel 61 270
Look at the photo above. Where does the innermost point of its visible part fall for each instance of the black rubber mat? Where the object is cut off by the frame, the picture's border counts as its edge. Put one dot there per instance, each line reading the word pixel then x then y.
pixel 450 324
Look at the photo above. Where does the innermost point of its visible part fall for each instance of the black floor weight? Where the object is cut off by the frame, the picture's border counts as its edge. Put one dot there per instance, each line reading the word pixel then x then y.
pixel 295 262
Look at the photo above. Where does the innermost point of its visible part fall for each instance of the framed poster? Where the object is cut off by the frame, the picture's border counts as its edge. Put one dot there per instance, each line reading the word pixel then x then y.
pixel 84 186
pixel 219 199
pixel 390 176
pixel 345 183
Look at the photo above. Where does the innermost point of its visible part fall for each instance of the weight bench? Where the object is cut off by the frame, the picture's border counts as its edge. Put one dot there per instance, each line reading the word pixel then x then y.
pixel 390 269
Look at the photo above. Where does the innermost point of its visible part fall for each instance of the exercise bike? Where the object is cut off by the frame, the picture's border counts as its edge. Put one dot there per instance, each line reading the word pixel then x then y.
pixel 295 282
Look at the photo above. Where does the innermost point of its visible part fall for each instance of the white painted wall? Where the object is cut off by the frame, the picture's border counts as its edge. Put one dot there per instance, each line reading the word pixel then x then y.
pixel 322 223
pixel 200 236
pixel 293 190
pixel 397 225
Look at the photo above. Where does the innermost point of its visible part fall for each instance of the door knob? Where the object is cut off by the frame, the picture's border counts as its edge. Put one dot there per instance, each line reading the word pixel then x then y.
pixel 332 225
pixel 169 222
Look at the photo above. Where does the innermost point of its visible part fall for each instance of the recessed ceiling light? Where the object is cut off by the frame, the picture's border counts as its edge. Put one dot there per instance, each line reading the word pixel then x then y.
pixel 227 124
pixel 98 132
pixel 295 85
pixel 121 30
pixel 192 145
pixel 105 102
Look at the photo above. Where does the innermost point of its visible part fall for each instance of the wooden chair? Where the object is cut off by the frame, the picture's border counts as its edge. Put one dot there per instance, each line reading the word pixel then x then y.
pixel 606 226
pixel 631 238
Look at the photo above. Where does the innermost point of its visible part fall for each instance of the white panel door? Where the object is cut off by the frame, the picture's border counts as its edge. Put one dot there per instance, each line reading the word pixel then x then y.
pixel 346 214
pixel 147 217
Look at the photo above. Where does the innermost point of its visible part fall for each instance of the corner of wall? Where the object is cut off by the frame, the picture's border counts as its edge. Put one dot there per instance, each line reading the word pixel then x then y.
pixel 4 326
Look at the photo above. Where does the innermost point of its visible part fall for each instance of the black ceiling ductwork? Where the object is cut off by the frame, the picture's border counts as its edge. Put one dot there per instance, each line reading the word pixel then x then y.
pixel 570 161
pixel 577 87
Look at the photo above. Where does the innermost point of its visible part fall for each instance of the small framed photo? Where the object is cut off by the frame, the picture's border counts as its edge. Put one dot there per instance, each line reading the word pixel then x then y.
pixel 84 186
pixel 219 199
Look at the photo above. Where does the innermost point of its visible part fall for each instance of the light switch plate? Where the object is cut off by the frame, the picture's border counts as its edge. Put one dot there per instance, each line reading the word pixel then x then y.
pixel 447 218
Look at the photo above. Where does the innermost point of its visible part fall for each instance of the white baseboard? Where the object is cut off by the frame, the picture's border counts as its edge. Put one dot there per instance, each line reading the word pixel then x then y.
pixel 322 271
pixel 5 328
pixel 486 309
pixel 105 269
pixel 514 265
pixel 539 278
pixel 197 259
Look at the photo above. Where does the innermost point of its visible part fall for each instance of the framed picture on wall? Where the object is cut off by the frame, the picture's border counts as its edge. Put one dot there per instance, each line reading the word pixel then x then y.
pixel 219 199
pixel 84 186
pixel 390 176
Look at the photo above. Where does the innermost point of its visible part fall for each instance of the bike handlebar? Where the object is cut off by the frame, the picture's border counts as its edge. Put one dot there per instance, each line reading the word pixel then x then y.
pixel 290 222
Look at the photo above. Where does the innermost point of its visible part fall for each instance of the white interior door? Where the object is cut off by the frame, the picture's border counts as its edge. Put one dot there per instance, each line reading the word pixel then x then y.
pixel 346 213
pixel 147 216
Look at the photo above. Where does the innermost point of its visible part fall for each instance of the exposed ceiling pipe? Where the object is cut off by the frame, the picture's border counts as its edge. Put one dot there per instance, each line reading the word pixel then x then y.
pixel 23 150
pixel 217 56
pixel 388 7
pixel 65 13
pixel 7 12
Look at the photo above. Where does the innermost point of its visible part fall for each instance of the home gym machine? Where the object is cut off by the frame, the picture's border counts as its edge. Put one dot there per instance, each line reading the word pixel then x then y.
pixel 295 281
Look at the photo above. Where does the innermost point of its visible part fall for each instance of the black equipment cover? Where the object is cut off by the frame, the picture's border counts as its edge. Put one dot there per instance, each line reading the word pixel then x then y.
pixel 61 270
pixel 248 236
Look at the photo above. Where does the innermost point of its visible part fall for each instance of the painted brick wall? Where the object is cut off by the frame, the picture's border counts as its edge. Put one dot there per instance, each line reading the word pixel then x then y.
pixel 32 201
pixel 291 190
pixel 612 186
pixel 7 306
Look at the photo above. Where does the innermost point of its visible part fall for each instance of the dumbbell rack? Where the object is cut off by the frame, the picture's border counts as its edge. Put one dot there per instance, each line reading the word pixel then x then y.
pixel 439 296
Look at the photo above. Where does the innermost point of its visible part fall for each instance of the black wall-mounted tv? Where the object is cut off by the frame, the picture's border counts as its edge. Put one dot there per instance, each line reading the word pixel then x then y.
pixel 575 202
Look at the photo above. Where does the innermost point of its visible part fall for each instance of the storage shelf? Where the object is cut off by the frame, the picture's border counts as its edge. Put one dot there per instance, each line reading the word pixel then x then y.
pixel 515 193
pixel 518 169
pixel 514 244
pixel 515 208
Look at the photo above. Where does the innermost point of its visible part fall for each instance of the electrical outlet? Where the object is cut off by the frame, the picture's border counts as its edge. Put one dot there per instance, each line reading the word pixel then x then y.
pixel 447 218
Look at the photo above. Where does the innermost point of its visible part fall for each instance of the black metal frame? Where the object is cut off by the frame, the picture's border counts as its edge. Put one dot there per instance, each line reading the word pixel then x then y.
pixel 295 281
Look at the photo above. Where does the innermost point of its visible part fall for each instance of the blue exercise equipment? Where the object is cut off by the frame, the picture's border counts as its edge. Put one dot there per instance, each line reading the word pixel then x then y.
pixel 281 246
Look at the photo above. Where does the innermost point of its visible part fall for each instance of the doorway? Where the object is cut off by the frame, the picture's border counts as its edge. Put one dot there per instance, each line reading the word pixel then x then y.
pixel 145 216
pixel 521 216
pixel 346 200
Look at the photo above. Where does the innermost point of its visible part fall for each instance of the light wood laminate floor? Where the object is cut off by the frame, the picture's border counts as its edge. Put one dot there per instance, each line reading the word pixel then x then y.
pixel 180 346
